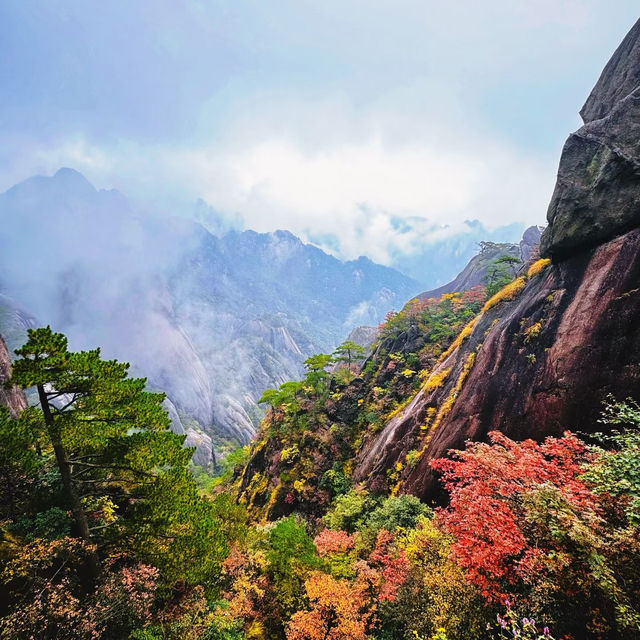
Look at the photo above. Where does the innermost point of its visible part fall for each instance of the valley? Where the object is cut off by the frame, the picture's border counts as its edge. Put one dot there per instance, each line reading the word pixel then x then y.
pixel 213 433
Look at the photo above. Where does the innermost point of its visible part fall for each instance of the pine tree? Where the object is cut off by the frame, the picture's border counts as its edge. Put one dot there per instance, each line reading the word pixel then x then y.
pixel 125 474
pixel 349 352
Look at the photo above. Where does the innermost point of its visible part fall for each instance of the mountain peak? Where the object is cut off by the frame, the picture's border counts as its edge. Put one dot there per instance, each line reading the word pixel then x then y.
pixel 72 178
pixel 596 194
pixel 619 79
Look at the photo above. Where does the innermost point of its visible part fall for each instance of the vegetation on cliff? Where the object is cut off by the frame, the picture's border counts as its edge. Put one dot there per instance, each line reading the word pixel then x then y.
pixel 106 534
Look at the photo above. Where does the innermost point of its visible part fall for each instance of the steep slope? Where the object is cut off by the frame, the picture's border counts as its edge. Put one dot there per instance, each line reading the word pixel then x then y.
pixel 211 320
pixel 544 360
pixel 475 272
pixel 538 357
pixel 531 367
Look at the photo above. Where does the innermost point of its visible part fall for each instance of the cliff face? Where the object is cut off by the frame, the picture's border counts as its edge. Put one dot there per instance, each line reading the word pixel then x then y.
pixel 541 364
pixel 597 196
pixel 14 397
pixel 544 361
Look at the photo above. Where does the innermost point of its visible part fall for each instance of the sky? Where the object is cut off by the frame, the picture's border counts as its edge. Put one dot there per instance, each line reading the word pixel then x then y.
pixel 369 126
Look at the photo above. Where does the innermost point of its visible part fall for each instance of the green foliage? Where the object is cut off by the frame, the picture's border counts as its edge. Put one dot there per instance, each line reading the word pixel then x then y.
pixel 124 475
pixel 617 470
pixel 49 525
pixel 349 511
pixel 398 512
pixel 349 352
pixel 17 440
pixel 499 274
pixel 224 470
pixel 233 517
pixel 290 556
pixel 335 481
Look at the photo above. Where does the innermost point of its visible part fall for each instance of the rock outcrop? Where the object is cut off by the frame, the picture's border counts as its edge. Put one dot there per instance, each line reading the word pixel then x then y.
pixel 475 271
pixel 363 335
pixel 597 196
pixel 544 359
pixel 619 78
pixel 12 398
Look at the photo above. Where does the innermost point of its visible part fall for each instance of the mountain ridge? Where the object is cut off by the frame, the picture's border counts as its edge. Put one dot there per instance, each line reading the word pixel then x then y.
pixel 539 356
pixel 212 320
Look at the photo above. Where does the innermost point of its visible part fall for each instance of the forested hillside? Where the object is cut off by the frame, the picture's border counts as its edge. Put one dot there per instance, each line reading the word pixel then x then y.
pixel 475 477
pixel 211 320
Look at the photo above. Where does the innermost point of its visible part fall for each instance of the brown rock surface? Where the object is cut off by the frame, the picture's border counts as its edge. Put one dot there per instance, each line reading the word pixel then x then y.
pixel 14 397
pixel 587 346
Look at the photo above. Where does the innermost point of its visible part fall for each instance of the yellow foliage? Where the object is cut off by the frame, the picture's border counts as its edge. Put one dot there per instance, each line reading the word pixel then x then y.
pixel 506 293
pixel 273 497
pixel 454 607
pixel 462 336
pixel 257 484
pixel 436 380
pixel 412 458
pixel 532 332
pixel 449 402
pixel 255 630
pixel 431 412
pixel 432 424
pixel 287 454
pixel 401 407
pixel 538 266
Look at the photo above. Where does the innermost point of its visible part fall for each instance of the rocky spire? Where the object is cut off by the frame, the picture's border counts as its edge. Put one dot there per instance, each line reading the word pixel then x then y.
pixel 597 194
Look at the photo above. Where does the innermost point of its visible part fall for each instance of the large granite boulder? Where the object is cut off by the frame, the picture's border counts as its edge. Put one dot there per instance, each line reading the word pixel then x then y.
pixel 597 194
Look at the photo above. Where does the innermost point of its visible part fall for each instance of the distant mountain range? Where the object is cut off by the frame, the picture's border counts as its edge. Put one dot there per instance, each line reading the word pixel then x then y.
pixel 210 316
pixel 211 320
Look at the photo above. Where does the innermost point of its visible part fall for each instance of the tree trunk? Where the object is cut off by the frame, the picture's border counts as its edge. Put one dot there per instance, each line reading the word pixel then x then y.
pixel 79 516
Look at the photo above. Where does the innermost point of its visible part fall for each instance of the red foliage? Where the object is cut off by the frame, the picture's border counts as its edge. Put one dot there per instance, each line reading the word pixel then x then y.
pixel 391 563
pixel 487 483
pixel 329 542
pixel 476 294
pixel 390 315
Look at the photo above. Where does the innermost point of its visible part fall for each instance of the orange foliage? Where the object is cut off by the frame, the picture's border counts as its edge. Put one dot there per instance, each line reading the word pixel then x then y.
pixel 337 611
pixel 538 266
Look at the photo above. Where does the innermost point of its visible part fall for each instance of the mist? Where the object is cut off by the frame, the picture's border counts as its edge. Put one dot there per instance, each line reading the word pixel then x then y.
pixel 212 319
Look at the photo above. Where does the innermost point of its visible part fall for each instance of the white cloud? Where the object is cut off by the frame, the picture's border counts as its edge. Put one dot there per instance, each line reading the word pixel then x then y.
pixel 332 119
pixel 353 191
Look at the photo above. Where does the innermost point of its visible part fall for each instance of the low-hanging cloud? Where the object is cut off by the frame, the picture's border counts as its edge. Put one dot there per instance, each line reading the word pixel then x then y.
pixel 330 119
pixel 353 193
